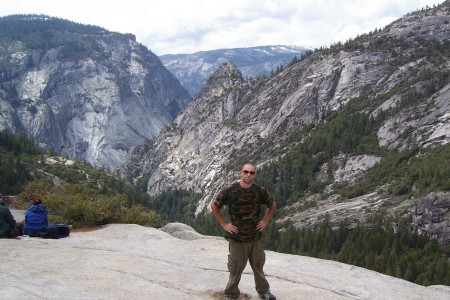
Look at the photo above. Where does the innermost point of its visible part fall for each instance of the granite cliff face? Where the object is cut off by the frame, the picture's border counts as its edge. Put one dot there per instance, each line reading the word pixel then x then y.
pixel 431 216
pixel 233 120
pixel 81 90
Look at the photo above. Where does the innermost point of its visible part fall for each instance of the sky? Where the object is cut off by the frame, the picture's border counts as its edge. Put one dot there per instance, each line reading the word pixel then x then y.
pixel 189 26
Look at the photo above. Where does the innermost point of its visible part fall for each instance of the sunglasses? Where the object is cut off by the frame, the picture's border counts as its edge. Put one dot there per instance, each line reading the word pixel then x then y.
pixel 248 172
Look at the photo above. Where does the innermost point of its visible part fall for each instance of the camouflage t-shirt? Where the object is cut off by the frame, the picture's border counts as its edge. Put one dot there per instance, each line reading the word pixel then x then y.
pixel 244 206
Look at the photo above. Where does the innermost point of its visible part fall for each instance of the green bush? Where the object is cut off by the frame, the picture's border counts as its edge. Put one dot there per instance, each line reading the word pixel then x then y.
pixel 141 216
pixel 80 206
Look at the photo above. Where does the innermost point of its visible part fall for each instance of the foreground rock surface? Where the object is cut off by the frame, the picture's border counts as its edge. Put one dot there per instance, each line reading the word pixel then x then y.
pixel 134 262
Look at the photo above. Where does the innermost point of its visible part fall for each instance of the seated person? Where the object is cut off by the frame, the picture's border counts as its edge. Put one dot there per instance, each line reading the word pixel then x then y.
pixel 8 226
pixel 36 219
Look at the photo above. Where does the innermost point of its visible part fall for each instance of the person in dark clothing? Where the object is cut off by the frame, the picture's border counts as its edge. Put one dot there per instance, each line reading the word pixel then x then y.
pixel 244 200
pixel 36 219
pixel 8 226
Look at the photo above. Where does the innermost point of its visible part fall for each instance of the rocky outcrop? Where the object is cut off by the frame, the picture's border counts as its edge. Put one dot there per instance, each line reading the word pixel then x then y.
pixel 354 167
pixel 431 216
pixel 84 92
pixel 124 261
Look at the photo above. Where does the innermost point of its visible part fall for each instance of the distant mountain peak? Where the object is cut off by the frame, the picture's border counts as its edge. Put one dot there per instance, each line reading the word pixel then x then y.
pixel 193 70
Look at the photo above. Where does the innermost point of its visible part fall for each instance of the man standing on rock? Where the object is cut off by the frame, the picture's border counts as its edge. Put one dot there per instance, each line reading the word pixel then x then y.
pixel 244 200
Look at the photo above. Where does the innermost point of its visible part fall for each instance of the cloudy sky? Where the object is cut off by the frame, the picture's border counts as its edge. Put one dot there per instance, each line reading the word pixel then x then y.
pixel 188 26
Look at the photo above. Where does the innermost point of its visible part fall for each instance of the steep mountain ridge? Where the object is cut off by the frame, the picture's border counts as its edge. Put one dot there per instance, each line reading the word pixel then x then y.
pixel 81 90
pixel 397 76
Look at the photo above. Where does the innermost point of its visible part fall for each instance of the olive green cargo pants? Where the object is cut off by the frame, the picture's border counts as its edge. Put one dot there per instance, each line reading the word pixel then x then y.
pixel 240 253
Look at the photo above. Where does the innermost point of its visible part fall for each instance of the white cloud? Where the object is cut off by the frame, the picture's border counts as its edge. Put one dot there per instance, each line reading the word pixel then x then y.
pixel 172 26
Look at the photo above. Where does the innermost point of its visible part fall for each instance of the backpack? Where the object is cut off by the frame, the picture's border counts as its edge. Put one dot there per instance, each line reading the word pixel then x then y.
pixel 56 231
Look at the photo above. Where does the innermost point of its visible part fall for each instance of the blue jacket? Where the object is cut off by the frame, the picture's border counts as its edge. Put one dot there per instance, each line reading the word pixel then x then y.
pixel 36 220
